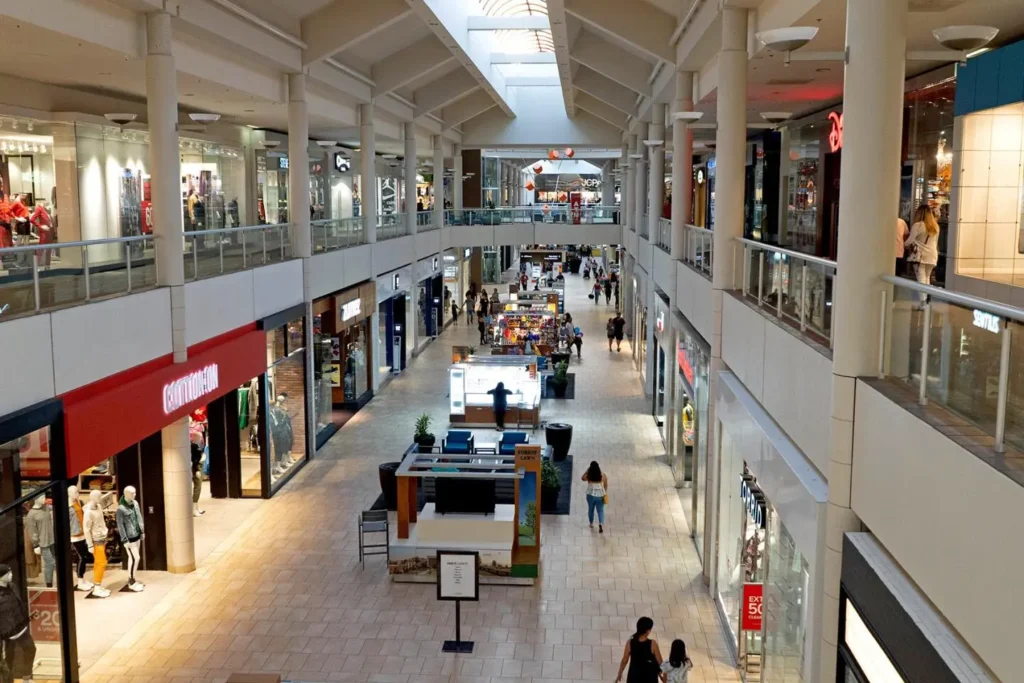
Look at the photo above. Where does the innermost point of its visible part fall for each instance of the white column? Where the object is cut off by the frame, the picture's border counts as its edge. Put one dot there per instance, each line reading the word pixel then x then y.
pixel 177 492
pixel 368 173
pixel 785 165
pixel 410 180
pixel 607 185
pixel 298 170
pixel 656 182
pixel 457 177
pixel 438 181
pixel 876 43
pixel 629 185
pixel 682 162
pixel 640 204
pixel 165 183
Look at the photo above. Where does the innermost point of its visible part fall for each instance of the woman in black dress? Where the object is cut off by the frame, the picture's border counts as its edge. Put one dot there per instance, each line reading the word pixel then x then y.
pixel 642 655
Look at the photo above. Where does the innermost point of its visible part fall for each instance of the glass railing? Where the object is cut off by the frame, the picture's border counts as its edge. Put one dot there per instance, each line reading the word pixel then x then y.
pixel 961 352
pixel 664 237
pixel 41 277
pixel 536 213
pixel 209 253
pixel 338 233
pixel 390 226
pixel 698 249
pixel 425 221
pixel 797 288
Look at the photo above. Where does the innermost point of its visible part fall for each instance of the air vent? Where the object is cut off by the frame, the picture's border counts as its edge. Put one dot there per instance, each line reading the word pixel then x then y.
pixel 790 81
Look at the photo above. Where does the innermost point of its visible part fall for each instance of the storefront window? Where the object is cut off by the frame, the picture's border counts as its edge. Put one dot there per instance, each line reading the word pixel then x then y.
pixel 248 437
pixel 785 606
pixel 212 185
pixel 271 187
pixel 286 407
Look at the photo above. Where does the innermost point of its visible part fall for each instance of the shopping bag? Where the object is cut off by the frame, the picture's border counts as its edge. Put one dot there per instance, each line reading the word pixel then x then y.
pixel 590 296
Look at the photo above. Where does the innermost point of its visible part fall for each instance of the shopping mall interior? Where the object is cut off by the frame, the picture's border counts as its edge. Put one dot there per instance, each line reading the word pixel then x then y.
pixel 511 341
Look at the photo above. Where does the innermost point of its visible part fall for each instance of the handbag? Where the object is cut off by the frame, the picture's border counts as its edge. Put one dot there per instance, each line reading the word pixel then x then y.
pixel 605 499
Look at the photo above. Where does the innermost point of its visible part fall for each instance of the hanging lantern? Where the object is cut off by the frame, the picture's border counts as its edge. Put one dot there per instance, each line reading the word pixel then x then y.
pixel 529 186
pixel 538 168
pixel 569 152
pixel 546 209
pixel 553 155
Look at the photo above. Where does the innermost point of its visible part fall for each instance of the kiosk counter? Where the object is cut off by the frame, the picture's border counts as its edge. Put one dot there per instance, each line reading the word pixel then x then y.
pixel 470 381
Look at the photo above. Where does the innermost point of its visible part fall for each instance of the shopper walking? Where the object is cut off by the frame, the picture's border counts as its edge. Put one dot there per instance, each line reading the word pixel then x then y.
pixel 455 314
pixel 678 665
pixel 484 305
pixel 597 493
pixel 620 329
pixel 481 325
pixel 597 291
pixel 577 340
pixel 642 655
pixel 610 329
pixel 607 290
pixel 922 244
pixel 470 304
pixel 616 291
pixel 500 394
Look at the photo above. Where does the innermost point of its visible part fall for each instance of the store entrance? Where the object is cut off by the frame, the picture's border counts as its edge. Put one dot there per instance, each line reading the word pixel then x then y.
pixel 659 387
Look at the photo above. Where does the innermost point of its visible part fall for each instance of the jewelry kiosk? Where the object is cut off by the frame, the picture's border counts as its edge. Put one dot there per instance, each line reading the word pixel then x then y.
pixel 469 382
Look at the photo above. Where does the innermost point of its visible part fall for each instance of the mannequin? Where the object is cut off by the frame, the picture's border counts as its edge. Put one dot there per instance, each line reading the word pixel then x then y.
pixel 75 516
pixel 96 538
pixel 687 415
pixel 131 528
pixel 196 448
pixel 19 648
pixel 40 529
pixel 281 435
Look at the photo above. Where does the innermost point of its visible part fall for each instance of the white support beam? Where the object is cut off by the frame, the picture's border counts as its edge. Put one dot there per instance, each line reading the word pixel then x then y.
pixel 469 106
pixel 560 39
pixel 534 22
pixel 598 108
pixel 612 61
pixel 409 64
pixel 531 58
pixel 606 90
pixel 527 81
pixel 342 23
pixel 640 24
pixel 443 92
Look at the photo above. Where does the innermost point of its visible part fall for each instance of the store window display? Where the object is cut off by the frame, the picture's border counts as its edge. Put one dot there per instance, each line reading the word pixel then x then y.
pixel 212 186
pixel 286 401
pixel 271 187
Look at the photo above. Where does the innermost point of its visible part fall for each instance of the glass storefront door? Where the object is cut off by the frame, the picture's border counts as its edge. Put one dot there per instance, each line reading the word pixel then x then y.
pixel 659 387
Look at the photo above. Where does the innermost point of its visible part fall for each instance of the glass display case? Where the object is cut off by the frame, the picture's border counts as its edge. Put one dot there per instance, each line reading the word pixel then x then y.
pixel 470 381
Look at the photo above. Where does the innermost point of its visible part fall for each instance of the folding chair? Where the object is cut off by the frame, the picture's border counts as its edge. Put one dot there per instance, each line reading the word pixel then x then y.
pixel 374 522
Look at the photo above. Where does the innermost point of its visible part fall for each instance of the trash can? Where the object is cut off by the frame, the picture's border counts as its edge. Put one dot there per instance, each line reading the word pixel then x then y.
pixel 389 483
pixel 559 436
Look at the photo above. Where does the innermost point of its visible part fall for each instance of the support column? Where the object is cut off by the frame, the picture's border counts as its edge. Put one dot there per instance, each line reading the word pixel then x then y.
pixel 629 184
pixel 640 204
pixel 298 172
pixel 410 181
pixel 876 43
pixel 165 184
pixel 656 182
pixel 457 177
pixel 607 185
pixel 177 466
pixel 682 162
pixel 368 176
pixel 438 185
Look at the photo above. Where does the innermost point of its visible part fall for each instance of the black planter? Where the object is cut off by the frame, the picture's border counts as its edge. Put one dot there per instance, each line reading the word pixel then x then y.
pixel 558 389
pixel 389 483
pixel 549 499
pixel 425 443
pixel 559 436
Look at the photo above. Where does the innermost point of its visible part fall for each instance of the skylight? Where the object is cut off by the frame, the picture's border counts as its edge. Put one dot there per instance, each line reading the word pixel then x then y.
pixel 519 41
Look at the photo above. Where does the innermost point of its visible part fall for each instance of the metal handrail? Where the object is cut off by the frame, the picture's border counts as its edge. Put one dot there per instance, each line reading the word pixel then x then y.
pixel 699 249
pixel 249 259
pixel 337 233
pixel 817 260
pixel 965 300
pixel 69 245
pixel 664 238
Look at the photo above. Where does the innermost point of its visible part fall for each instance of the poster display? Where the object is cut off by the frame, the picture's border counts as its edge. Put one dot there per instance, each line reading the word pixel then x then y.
pixel 752 606
pixel 526 545
pixel 458 577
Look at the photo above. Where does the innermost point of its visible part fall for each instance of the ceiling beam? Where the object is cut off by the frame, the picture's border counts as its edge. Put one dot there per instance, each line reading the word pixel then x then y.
pixel 535 22
pixel 534 58
pixel 409 64
pixel 560 39
pixel 640 24
pixel 606 90
pixel 612 61
pixel 468 107
pixel 531 81
pixel 343 23
pixel 601 110
pixel 443 91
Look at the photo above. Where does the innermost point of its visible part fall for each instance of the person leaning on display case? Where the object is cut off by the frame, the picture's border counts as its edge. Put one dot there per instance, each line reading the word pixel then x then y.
pixel 500 394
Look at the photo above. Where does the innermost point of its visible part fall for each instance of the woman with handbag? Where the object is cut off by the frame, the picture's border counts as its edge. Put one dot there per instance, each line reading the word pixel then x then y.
pixel 923 244
pixel 642 655
pixel 597 494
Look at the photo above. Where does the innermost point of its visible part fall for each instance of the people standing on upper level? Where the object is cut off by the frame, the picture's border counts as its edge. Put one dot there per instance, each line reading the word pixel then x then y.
pixel 923 244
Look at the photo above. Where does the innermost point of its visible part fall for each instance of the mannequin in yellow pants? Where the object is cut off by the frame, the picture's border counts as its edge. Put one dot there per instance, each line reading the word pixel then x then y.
pixel 96 538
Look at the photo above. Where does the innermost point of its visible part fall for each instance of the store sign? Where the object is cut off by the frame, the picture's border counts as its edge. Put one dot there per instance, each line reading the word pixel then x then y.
pixel 467 252
pixel 753 607
pixel 341 163
pixel 282 163
pixel 351 309
pixel 660 322
pixel 754 500
pixel 987 321
pixel 395 282
pixel 191 387
pixel 433 264
pixel 683 358
pixel 700 176
pixel 835 136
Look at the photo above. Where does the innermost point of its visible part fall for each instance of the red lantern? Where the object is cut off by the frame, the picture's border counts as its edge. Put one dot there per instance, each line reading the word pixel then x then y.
pixel 546 209
pixel 569 152
pixel 553 155
pixel 529 186
pixel 538 168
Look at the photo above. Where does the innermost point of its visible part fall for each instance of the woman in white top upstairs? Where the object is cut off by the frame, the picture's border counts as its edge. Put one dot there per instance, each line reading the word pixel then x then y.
pixel 923 244
pixel 597 489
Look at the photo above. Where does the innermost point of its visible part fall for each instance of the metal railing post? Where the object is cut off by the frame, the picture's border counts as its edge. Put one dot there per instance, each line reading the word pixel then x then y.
pixel 280 240
pixel 1004 388
pixel 128 261
pixel 881 336
pixel 195 258
pixel 832 313
pixel 746 270
pixel 85 269
pixel 263 236
pixel 244 260
pixel 778 303
pixel 220 249
pixel 35 280
pixel 760 277
pixel 922 390
pixel 803 296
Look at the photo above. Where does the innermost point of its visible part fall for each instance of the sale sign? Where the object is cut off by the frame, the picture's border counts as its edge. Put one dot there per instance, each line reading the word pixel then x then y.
pixel 752 604
pixel 44 614
pixel 575 207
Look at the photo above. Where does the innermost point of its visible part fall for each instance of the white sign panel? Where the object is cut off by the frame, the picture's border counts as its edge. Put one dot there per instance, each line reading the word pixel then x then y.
pixel 191 387
pixel 457 576
pixel 351 309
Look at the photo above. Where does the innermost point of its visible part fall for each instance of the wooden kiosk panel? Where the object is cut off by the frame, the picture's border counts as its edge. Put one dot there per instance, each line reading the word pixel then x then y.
pixel 526 546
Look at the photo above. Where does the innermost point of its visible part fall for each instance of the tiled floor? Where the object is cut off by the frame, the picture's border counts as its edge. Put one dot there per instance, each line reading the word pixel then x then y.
pixel 285 594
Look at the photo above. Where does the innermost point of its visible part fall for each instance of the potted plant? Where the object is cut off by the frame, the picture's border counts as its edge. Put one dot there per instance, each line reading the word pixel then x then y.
pixel 550 486
pixel 472 350
pixel 560 380
pixel 423 438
